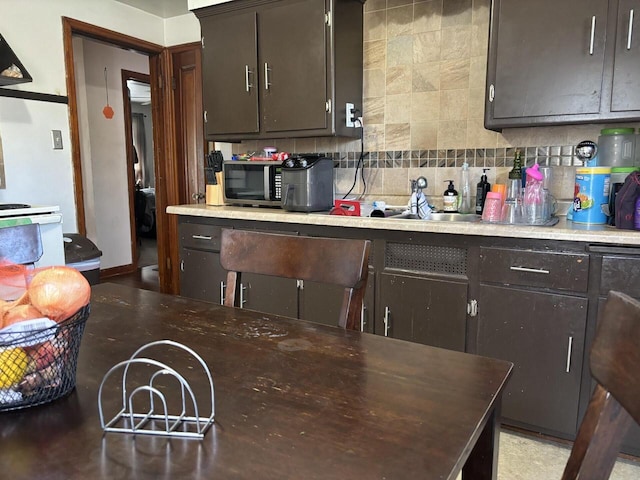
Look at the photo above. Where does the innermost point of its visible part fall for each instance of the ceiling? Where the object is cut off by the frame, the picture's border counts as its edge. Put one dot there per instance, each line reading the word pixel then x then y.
pixel 160 8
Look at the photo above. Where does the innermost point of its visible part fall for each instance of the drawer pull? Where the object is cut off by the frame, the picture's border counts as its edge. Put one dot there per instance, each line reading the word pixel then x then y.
pixel 569 349
pixel 201 237
pixel 593 33
pixel 387 320
pixel 242 299
pixel 222 289
pixel 529 270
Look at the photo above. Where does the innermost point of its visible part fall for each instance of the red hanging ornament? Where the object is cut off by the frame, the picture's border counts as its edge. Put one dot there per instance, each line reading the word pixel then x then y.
pixel 107 111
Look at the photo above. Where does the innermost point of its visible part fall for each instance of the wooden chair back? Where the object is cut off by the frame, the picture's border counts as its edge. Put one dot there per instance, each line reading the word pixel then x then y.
pixel 615 403
pixel 342 262
pixel 21 244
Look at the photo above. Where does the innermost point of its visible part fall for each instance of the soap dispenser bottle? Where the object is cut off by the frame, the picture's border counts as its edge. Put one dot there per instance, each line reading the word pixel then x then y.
pixel 450 198
pixel 481 192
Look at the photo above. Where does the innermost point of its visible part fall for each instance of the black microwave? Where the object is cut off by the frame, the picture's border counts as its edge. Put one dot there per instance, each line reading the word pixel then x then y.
pixel 252 182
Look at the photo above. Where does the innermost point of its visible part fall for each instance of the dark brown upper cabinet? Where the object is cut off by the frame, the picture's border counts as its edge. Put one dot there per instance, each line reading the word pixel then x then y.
pixel 280 68
pixel 575 61
pixel 7 59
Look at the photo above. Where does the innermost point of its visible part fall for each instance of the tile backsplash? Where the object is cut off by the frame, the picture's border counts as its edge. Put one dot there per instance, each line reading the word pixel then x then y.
pixel 423 106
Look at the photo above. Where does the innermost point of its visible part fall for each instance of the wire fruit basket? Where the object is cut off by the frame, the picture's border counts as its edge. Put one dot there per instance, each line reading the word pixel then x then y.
pixel 39 365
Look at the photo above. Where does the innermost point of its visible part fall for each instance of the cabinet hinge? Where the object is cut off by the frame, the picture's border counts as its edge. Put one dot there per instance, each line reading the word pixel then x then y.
pixel 173 83
pixel 327 106
pixel 327 18
pixel 160 82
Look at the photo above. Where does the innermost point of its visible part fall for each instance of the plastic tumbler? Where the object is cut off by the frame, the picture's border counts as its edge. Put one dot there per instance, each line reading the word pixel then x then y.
pixel 492 207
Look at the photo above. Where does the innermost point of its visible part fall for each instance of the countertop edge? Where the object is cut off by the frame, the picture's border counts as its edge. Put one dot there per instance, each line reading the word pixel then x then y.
pixel 564 230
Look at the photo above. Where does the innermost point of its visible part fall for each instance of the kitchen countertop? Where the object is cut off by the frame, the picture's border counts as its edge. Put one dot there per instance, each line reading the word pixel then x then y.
pixel 563 230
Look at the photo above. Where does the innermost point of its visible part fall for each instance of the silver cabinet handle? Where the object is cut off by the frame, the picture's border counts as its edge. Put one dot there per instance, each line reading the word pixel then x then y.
pixel 205 116
pixel 387 320
pixel 182 265
pixel 569 349
pixel 201 237
pixel 222 287
pixel 247 83
pixel 242 300
pixel 363 313
pixel 630 29
pixel 472 308
pixel 530 270
pixel 267 83
pixel 492 92
pixel 593 34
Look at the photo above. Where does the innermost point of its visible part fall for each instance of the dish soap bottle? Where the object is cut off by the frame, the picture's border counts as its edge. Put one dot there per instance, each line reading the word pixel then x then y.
pixel 481 192
pixel 465 199
pixel 450 198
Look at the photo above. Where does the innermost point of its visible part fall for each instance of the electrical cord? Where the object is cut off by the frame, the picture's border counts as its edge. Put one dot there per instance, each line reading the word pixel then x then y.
pixel 360 164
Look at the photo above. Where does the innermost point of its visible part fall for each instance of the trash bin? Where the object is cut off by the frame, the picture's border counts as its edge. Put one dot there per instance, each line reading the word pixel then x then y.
pixel 83 255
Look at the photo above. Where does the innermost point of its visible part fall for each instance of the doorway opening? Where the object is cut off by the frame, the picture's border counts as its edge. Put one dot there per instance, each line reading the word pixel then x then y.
pixel 136 91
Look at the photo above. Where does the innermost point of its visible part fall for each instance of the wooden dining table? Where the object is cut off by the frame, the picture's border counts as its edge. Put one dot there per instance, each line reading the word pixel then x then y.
pixel 293 400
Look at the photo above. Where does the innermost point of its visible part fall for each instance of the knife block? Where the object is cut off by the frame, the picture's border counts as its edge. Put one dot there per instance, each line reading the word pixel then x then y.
pixel 214 194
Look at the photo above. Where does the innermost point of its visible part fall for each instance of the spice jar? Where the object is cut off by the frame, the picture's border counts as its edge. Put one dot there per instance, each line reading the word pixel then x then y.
pixel 492 207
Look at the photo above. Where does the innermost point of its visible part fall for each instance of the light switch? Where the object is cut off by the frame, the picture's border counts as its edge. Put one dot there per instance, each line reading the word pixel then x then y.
pixel 56 136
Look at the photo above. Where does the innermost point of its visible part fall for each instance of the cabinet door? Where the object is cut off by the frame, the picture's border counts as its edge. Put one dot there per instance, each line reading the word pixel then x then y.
pixel 546 59
pixel 543 335
pixel 293 63
pixel 201 275
pixel 422 310
pixel 320 302
pixel 269 294
pixel 229 73
pixel 626 70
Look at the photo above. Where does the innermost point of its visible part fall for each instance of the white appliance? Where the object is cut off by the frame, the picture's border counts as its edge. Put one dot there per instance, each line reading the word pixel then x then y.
pixel 50 220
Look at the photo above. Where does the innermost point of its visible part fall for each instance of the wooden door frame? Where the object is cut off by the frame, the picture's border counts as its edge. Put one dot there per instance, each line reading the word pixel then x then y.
pixel 167 172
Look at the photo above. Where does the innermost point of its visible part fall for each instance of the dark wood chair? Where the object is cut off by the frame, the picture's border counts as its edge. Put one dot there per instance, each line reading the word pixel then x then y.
pixel 21 244
pixel 615 403
pixel 324 260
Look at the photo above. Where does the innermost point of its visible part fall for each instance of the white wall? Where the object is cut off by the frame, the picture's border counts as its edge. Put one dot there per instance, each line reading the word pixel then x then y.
pixel 36 173
pixel 182 29
pixel 107 157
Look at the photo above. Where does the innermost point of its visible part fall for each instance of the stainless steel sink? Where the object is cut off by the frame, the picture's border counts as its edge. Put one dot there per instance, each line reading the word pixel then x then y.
pixel 442 217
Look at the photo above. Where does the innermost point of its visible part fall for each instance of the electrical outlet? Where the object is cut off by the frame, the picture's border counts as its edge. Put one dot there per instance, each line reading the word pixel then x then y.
pixel 350 115
pixel 56 137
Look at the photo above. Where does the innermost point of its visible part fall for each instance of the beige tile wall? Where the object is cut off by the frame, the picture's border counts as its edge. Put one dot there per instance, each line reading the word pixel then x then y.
pixel 424 86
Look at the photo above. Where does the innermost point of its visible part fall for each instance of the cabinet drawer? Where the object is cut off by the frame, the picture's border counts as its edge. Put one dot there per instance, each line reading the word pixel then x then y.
pixel 622 274
pixel 199 236
pixel 561 271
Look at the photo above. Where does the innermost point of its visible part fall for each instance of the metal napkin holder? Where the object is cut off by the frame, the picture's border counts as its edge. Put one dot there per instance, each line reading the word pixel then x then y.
pixel 127 421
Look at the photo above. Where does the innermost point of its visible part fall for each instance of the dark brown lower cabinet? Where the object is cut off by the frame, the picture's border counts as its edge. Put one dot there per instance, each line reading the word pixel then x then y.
pixel 201 275
pixel 422 310
pixel 265 293
pixel 543 334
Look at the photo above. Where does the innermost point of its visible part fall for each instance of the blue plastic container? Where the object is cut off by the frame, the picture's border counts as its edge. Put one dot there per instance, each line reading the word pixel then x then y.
pixel 591 197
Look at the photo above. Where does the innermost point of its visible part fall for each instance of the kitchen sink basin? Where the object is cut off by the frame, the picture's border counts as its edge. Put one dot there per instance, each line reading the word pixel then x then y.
pixel 442 217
